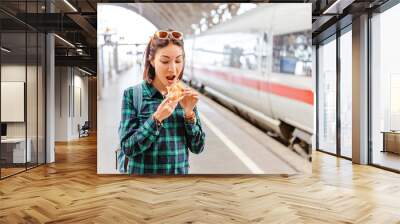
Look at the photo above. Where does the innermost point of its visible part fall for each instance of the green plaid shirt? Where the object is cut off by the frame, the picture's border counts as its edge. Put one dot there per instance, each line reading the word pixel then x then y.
pixel 162 150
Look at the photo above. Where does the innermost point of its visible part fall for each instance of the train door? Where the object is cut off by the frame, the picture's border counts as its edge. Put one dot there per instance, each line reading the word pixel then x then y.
pixel 265 52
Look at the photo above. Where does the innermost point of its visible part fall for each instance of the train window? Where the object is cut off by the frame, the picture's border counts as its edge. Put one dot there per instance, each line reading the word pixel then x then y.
pixel 292 53
pixel 236 50
pixel 241 52
pixel 249 61
pixel 236 58
pixel 232 56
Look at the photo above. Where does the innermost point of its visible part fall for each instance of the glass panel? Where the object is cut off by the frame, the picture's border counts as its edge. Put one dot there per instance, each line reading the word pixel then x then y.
pixel 13 80
pixel 31 99
pixel 386 89
pixel 346 94
pixel 327 96
pixel 23 89
pixel 41 98
pixel 32 88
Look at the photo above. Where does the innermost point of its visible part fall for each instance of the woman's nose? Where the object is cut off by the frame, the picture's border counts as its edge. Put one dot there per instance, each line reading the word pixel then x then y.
pixel 171 67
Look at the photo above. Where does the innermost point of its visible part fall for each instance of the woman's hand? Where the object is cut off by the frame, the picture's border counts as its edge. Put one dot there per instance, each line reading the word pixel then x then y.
pixel 189 101
pixel 165 109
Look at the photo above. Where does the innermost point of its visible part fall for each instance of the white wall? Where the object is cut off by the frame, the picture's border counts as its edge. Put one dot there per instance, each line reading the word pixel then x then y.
pixel 70 82
pixel 61 103
pixel 80 83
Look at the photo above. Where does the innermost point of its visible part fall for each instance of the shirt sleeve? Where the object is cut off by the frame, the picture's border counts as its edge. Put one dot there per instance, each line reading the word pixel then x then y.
pixel 134 139
pixel 195 135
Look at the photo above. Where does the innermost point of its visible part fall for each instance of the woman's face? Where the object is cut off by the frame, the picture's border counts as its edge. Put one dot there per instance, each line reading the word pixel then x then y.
pixel 168 63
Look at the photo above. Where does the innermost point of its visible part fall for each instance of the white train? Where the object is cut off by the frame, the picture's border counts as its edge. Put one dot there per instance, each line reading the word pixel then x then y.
pixel 259 64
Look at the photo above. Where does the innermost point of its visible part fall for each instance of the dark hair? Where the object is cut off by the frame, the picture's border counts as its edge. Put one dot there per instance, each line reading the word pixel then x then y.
pixel 154 44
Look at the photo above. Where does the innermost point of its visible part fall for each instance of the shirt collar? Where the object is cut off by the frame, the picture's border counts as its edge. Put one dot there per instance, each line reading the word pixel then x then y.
pixel 151 91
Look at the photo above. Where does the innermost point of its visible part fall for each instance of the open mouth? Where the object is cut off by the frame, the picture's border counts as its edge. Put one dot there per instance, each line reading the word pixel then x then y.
pixel 171 78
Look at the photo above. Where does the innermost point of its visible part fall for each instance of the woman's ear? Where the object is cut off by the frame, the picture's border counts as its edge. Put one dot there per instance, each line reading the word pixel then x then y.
pixel 152 63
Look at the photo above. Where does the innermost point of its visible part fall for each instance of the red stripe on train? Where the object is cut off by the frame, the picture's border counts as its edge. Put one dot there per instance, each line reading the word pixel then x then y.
pixel 303 95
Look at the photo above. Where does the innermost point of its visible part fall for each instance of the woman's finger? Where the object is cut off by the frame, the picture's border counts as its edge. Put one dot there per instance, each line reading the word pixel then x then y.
pixel 165 101
pixel 180 98
pixel 173 103
pixel 187 91
pixel 193 96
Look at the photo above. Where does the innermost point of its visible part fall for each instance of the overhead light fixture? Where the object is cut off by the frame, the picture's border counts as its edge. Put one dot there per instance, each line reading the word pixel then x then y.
pixel 64 40
pixel 70 5
pixel 5 50
pixel 86 72
pixel 337 7
pixel 80 51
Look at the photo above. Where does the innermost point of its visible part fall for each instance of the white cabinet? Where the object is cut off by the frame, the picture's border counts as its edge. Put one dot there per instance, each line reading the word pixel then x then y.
pixel 17 146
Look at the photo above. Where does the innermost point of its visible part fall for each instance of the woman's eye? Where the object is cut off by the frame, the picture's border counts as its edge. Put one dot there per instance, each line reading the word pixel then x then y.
pixel 178 61
pixel 164 62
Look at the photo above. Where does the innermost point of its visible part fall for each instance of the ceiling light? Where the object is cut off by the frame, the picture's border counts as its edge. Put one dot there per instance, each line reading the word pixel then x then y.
pixel 64 40
pixel 70 5
pixel 5 50
pixel 86 72
pixel 338 6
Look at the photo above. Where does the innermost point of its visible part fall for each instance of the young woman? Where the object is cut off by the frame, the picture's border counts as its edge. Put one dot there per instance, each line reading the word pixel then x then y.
pixel 157 139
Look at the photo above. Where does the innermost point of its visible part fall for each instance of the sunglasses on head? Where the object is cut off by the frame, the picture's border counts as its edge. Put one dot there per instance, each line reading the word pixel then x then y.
pixel 162 34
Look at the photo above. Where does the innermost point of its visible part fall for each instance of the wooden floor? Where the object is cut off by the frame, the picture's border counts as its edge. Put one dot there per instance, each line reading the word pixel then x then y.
pixel 388 159
pixel 70 191
pixel 10 171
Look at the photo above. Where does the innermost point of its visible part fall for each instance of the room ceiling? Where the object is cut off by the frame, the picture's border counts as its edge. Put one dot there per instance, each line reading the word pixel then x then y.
pixel 76 22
